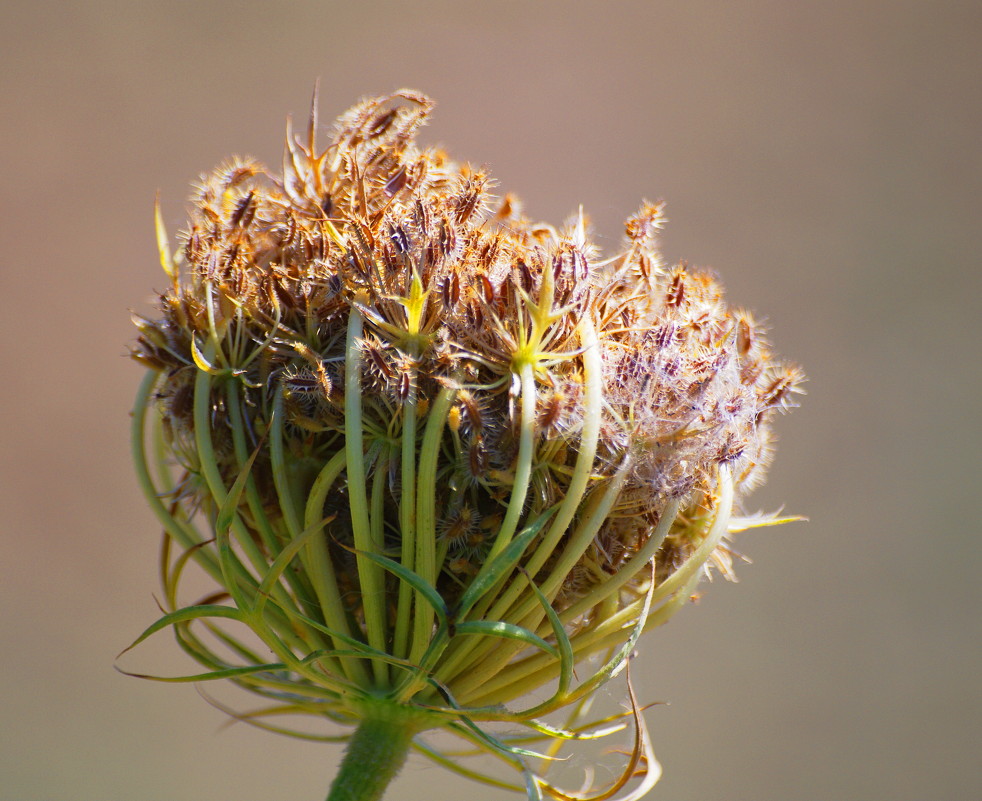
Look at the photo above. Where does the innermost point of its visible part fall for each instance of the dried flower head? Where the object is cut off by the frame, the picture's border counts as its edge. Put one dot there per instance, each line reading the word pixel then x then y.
pixel 432 454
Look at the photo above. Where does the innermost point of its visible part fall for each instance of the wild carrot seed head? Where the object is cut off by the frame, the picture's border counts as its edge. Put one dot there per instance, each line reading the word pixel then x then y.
pixel 370 359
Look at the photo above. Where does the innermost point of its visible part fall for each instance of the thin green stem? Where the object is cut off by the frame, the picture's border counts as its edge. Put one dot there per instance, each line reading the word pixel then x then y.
pixel 516 503
pixel 671 594
pixel 261 523
pixel 425 561
pixel 370 575
pixel 320 568
pixel 235 575
pixel 183 535
pixel 627 572
pixel 407 517
pixel 587 451
pixel 530 612
pixel 377 524
pixel 237 578
pixel 523 467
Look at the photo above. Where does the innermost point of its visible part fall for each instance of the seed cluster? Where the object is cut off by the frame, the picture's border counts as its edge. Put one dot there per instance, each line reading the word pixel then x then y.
pixel 380 273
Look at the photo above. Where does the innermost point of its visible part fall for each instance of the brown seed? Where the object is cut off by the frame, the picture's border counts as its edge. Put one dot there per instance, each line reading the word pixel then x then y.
pixel 477 458
pixel 396 182
pixel 405 386
pixel 399 238
pixel 676 290
pixel 450 291
pixel 381 123
pixel 552 410
pixel 244 212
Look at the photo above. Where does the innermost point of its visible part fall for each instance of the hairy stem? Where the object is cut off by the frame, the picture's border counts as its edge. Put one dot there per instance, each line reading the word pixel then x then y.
pixel 375 753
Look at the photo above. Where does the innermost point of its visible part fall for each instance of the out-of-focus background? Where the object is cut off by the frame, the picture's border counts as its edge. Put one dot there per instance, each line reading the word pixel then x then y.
pixel 824 158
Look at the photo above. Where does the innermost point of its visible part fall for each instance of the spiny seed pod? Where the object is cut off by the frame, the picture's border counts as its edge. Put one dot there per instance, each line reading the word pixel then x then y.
pixel 432 454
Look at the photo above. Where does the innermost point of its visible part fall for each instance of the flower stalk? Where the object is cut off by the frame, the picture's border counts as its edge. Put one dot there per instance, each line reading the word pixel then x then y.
pixel 376 752
pixel 435 456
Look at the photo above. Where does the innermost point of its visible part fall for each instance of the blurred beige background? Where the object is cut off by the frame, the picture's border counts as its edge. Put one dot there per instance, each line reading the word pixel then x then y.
pixel 825 158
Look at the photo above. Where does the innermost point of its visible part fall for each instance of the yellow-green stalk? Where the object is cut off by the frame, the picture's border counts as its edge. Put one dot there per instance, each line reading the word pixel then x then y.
pixel 434 455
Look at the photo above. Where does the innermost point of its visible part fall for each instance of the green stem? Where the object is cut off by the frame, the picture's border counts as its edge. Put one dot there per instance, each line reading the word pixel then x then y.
pixel 424 563
pixel 407 517
pixel 369 573
pixel 375 753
